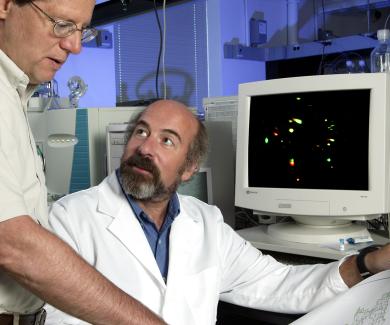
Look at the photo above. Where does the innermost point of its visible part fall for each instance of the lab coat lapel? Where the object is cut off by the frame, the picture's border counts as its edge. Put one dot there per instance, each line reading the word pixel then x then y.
pixel 125 226
pixel 185 233
pixel 184 237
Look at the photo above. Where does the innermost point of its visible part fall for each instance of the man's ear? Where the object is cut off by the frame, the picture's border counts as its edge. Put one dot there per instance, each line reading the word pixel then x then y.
pixel 5 6
pixel 189 172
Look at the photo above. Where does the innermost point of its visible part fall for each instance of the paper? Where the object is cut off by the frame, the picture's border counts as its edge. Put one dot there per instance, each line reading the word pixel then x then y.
pixel 367 303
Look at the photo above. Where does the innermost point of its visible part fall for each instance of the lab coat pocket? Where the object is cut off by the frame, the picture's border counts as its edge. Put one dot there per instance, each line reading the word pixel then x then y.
pixel 202 295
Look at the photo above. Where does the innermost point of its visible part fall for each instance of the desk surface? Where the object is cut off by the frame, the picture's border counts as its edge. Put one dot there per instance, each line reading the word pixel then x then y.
pixel 260 239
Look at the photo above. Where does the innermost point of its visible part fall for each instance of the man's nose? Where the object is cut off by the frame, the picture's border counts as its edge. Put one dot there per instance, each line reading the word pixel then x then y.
pixel 72 43
pixel 147 147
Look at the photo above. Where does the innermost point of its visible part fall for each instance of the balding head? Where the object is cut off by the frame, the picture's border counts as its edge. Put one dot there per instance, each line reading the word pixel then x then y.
pixel 179 114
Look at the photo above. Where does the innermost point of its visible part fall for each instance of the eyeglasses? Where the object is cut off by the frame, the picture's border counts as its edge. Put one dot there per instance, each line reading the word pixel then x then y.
pixel 64 28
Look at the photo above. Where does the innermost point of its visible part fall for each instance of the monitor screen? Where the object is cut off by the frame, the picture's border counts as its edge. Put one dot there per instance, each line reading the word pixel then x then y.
pixel 315 140
pixel 315 148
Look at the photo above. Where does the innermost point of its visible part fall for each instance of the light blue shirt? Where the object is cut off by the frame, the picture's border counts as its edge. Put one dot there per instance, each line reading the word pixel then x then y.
pixel 158 239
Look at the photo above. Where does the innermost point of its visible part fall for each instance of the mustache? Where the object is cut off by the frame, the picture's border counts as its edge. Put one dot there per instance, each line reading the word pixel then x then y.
pixel 137 160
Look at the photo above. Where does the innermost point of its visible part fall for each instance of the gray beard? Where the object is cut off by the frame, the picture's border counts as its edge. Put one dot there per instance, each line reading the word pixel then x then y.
pixel 142 189
pixel 145 188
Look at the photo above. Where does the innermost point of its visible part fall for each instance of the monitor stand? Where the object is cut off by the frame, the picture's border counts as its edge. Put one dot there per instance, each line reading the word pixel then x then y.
pixel 304 230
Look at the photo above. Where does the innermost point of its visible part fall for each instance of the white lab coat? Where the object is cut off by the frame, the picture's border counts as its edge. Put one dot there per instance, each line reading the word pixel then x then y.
pixel 208 261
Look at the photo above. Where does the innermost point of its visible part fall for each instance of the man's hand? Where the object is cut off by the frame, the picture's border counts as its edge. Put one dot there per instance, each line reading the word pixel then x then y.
pixel 375 262
pixel 378 260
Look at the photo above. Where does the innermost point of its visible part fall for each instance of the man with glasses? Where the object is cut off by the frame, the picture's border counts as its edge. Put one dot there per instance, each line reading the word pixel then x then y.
pixel 35 266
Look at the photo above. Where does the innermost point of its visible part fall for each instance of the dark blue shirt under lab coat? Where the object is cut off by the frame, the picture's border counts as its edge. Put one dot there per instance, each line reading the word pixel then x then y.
pixel 158 239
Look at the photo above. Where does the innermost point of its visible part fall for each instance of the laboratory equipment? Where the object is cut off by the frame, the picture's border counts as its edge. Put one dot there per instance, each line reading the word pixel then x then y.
pixel 380 55
pixel 222 108
pixel 77 88
pixel 72 143
pixel 257 31
pixel 315 148
pixel 44 96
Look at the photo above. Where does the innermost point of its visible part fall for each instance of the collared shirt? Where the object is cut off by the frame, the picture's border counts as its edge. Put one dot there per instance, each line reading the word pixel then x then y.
pixel 158 239
pixel 22 181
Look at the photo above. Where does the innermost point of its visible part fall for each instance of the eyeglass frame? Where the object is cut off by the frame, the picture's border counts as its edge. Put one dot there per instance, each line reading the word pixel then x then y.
pixel 93 31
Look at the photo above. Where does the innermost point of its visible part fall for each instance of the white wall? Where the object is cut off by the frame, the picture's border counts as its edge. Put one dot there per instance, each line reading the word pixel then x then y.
pixel 228 21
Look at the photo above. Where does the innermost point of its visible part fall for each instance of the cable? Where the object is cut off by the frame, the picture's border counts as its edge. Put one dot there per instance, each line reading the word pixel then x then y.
pixel 387 19
pixel 380 223
pixel 323 17
pixel 322 59
pixel 163 51
pixel 319 70
pixel 245 218
pixel 160 49
pixel 368 17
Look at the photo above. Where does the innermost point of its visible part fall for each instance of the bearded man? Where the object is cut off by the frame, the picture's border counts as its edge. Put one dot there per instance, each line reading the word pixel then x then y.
pixel 173 252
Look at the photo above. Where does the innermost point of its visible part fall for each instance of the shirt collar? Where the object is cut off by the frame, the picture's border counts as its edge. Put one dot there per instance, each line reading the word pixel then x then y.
pixel 173 205
pixel 17 78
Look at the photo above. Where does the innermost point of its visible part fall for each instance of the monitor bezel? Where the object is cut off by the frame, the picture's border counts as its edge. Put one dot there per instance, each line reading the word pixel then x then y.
pixel 316 202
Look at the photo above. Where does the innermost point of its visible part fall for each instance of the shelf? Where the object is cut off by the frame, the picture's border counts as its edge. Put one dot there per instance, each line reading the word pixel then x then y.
pixel 334 45
pixel 341 6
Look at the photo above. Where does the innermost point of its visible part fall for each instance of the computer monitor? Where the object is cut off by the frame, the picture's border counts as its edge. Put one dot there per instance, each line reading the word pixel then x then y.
pixel 199 186
pixel 316 148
